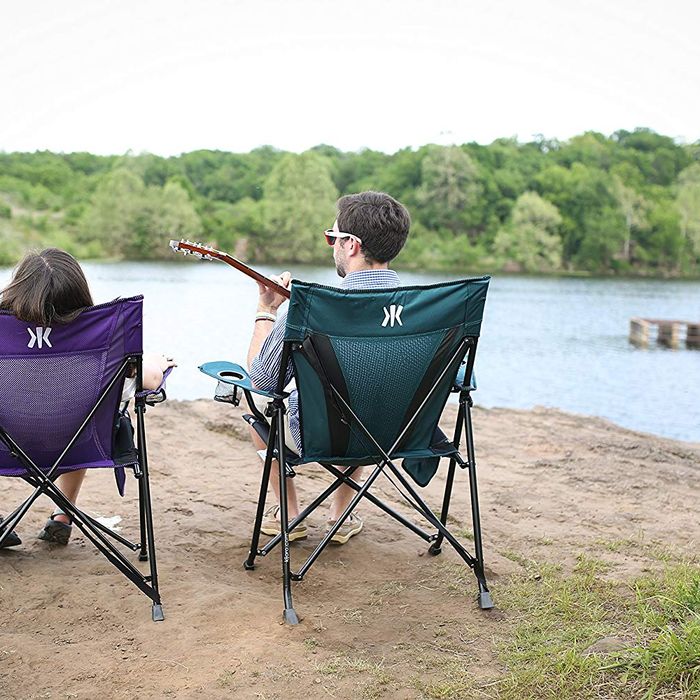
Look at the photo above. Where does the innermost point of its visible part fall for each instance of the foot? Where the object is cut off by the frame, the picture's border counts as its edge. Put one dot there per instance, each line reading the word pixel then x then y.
pixel 271 525
pixel 56 531
pixel 12 539
pixel 351 527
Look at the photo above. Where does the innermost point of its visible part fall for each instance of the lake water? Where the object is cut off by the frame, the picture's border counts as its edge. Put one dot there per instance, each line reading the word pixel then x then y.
pixel 557 342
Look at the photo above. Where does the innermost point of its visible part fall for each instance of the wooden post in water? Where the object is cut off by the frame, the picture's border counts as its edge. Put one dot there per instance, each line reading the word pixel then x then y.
pixel 669 334
pixel 692 338
pixel 639 332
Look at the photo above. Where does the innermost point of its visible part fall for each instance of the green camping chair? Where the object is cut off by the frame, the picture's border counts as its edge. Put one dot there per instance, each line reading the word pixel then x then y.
pixel 374 369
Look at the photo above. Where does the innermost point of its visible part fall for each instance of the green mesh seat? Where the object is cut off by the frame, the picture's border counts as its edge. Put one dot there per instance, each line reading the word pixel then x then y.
pixel 374 369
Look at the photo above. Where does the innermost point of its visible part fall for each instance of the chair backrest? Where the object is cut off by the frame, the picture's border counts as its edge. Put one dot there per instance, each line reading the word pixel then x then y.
pixel 389 353
pixel 51 378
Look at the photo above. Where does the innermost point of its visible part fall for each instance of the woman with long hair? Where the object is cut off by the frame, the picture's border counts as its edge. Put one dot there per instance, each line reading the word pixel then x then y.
pixel 50 288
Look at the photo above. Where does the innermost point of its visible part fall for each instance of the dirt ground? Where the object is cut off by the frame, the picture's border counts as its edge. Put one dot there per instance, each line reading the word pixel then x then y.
pixel 380 617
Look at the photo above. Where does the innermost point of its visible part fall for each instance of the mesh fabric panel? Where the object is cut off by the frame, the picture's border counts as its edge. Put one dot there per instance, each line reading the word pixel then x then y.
pixel 382 375
pixel 41 419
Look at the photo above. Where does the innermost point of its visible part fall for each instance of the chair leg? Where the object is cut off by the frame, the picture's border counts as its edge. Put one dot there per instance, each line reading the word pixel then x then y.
pixel 249 563
pixel 289 614
pixel 436 547
pixel 143 551
pixel 11 521
pixel 485 599
pixel 157 610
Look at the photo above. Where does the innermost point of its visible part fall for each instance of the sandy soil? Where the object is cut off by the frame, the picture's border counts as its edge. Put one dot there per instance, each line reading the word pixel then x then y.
pixel 380 616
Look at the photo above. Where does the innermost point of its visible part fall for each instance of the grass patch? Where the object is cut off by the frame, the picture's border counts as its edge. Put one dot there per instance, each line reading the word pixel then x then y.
pixel 387 591
pixel 666 661
pixel 226 679
pixel 653 550
pixel 455 682
pixel 311 643
pixel 465 534
pixel 353 617
pixel 651 627
pixel 558 618
pixel 373 679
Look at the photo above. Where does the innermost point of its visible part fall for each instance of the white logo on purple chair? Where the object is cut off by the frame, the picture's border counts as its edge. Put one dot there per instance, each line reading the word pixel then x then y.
pixel 392 315
pixel 39 338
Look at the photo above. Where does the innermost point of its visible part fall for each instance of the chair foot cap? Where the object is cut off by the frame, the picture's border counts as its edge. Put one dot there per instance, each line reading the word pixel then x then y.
pixel 290 616
pixel 143 556
pixel 157 614
pixel 248 565
pixel 485 600
pixel 434 550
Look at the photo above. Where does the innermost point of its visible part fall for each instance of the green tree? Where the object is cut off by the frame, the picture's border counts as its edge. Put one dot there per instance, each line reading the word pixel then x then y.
pixel 10 243
pixel 128 219
pixel 593 229
pixel 688 204
pixel 591 149
pixel 450 190
pixel 109 225
pixel 167 214
pixel 633 207
pixel 530 240
pixel 603 238
pixel 226 225
pixel 356 172
pixel 658 157
pixel 661 246
pixel 299 204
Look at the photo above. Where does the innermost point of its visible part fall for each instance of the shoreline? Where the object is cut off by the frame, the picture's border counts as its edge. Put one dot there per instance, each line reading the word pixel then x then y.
pixel 459 271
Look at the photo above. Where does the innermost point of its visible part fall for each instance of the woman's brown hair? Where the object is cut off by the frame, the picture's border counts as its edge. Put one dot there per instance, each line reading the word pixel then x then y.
pixel 47 287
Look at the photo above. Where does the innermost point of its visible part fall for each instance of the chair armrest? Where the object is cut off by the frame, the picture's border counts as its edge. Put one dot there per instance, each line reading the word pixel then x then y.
pixel 154 396
pixel 231 373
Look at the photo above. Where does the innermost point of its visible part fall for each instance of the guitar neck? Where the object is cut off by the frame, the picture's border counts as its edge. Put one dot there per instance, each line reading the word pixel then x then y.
pixel 254 274
pixel 207 253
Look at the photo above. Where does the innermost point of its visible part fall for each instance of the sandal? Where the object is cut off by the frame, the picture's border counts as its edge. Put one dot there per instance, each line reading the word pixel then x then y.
pixel 55 531
pixel 12 539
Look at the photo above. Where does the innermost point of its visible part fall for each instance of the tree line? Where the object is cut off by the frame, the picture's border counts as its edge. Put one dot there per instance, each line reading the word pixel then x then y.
pixel 628 203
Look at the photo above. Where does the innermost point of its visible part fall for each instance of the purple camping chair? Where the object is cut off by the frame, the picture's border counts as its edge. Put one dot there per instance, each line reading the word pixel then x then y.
pixel 60 391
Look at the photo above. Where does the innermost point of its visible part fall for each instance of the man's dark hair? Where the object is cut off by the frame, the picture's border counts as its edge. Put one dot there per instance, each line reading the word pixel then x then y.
pixel 47 287
pixel 378 220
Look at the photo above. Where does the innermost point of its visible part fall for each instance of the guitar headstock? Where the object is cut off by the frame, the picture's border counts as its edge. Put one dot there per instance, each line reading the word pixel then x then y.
pixel 197 249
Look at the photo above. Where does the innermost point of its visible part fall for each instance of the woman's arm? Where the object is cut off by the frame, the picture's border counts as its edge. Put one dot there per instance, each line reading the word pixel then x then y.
pixel 153 368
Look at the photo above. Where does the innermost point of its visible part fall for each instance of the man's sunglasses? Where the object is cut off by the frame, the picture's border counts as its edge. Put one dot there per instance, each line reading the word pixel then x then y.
pixel 331 236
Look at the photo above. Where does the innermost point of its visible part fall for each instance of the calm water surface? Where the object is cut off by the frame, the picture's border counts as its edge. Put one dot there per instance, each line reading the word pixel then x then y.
pixel 545 341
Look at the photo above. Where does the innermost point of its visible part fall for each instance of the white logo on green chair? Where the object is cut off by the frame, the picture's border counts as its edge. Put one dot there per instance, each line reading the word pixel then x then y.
pixel 392 315
pixel 39 338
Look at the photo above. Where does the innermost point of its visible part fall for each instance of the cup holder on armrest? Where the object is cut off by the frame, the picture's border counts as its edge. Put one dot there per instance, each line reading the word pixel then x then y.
pixel 225 392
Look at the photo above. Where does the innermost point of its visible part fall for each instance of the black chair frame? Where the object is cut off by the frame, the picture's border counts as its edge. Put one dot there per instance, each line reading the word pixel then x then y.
pixel 272 433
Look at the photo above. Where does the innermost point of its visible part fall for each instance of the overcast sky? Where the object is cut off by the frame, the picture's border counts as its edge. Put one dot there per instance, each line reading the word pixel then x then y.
pixel 167 76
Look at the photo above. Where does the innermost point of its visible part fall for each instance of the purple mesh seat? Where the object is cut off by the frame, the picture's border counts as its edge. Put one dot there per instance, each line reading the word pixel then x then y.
pixel 60 393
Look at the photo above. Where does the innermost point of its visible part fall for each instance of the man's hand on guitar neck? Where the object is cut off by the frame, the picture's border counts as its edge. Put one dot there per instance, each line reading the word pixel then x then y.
pixel 269 301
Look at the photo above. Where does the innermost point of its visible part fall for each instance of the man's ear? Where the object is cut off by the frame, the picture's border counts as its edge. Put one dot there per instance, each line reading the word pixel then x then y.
pixel 355 247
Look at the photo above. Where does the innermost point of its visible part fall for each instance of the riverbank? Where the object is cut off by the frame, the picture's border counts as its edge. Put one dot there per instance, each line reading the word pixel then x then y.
pixel 380 617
